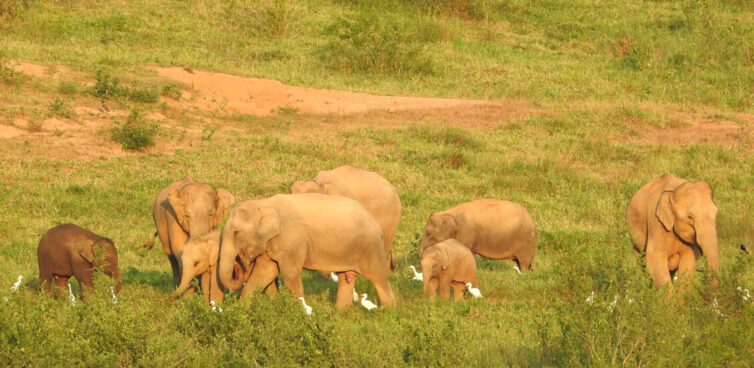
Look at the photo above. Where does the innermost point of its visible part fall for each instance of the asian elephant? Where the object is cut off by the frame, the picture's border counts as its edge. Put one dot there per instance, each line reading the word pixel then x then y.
pixel 199 259
pixel 448 263
pixel 185 209
pixel 674 222
pixel 288 233
pixel 370 189
pixel 69 250
pixel 492 228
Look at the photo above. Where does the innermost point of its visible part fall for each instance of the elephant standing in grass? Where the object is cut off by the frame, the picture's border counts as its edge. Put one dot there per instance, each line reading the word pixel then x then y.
pixel 448 263
pixel 69 250
pixel 185 209
pixel 674 222
pixel 492 228
pixel 199 259
pixel 370 189
pixel 288 233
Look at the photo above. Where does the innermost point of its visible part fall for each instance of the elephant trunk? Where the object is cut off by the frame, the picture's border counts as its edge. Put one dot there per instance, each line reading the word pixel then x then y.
pixel 707 241
pixel 226 261
pixel 186 277
pixel 238 277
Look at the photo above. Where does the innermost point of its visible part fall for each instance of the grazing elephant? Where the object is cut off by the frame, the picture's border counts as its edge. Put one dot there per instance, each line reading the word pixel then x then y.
pixel 69 250
pixel 673 221
pixel 492 228
pixel 185 209
pixel 370 189
pixel 287 233
pixel 449 263
pixel 199 259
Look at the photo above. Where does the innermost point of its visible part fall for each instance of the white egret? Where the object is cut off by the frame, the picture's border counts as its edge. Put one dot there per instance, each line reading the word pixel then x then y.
pixel 333 277
pixel 366 303
pixel 590 299
pixel 17 284
pixel 474 291
pixel 307 308
pixel 517 269
pixel 215 308
pixel 71 296
pixel 115 300
pixel 355 296
pixel 418 276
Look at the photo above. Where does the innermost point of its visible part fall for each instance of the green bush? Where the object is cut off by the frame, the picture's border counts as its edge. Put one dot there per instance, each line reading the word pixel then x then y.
pixel 378 42
pixel 61 108
pixel 109 86
pixel 136 133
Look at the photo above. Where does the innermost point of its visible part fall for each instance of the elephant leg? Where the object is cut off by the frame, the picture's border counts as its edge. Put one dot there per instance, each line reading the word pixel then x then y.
pixel 205 282
pixel 657 265
pixel 291 275
pixel 344 297
pixel 178 239
pixel 525 260
pixel 381 283
pixel 214 291
pixel 176 270
pixel 444 286
pixel 45 282
pixel 264 273
pixel 84 277
pixel 60 285
pixel 458 290
pixel 430 287
pixel 687 263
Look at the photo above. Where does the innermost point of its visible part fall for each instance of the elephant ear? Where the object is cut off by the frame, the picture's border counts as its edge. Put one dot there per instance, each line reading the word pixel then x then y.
pixel 444 259
pixel 664 211
pixel 268 224
pixel 178 203
pixel 329 188
pixel 448 223
pixel 214 250
pixel 223 202
pixel 86 251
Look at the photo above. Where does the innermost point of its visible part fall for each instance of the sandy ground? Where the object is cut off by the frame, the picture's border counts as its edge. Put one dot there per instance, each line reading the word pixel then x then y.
pixel 215 98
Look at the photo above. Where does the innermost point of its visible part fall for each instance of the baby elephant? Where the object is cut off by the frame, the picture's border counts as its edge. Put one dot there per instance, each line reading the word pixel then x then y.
pixel 199 259
pixel 449 263
pixel 69 250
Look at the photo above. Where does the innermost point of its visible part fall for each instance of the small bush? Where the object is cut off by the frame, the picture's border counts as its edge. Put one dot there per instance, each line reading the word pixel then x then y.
pixel 136 133
pixel 60 108
pixel 68 87
pixel 378 43
pixel 106 86
pixel 8 76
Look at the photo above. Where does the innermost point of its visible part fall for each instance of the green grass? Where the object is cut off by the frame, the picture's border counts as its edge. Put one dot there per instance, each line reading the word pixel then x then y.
pixel 685 52
pixel 589 65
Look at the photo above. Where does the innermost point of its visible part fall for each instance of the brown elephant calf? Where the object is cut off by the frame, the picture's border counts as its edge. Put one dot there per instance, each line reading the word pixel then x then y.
pixel 448 263
pixel 69 250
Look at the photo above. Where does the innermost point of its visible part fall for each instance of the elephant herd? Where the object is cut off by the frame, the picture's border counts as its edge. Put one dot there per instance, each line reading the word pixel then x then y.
pixel 343 222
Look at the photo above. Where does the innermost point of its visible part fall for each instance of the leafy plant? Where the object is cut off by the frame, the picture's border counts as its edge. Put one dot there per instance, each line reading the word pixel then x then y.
pixel 60 108
pixel 136 133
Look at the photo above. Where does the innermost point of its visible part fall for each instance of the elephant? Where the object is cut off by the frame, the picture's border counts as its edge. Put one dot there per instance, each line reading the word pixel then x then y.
pixel 449 263
pixel 70 250
pixel 370 189
pixel 199 259
pixel 185 209
pixel 673 222
pixel 287 233
pixel 491 228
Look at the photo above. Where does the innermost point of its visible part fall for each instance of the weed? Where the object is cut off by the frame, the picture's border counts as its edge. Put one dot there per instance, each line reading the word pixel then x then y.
pixel 60 108
pixel 284 110
pixel 106 86
pixel 208 131
pixel 68 87
pixel 136 133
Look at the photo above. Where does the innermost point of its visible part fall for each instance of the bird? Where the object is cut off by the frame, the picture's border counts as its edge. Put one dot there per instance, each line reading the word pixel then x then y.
pixel 307 308
pixel 418 276
pixel 215 308
pixel 355 296
pixel 743 249
pixel 612 305
pixel 366 303
pixel 333 277
pixel 474 291
pixel 590 298
pixel 71 296
pixel 517 269
pixel 102 106
pixel 115 300
pixel 15 286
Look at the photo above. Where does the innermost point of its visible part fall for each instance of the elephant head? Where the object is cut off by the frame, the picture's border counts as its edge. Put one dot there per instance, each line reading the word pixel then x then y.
pixel 440 226
pixel 101 255
pixel 306 186
pixel 199 207
pixel 434 259
pixel 691 214
pixel 199 255
pixel 246 234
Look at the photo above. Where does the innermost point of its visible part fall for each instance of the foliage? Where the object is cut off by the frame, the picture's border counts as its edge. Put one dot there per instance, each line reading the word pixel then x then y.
pixel 61 108
pixel 110 87
pixel 136 133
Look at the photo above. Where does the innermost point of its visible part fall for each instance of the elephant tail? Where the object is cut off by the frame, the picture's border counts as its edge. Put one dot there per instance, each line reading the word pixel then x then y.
pixel 150 243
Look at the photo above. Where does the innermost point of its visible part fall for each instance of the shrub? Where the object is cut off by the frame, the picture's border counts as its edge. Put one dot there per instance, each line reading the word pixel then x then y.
pixel 68 87
pixel 136 133
pixel 108 86
pixel 377 43
pixel 60 108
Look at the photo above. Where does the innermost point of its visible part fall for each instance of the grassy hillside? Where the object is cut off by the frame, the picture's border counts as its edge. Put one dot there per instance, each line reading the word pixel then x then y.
pixel 590 66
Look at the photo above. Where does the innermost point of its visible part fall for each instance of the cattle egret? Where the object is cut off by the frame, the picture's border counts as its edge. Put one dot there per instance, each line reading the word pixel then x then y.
pixel 366 303
pixel 747 294
pixel 71 296
pixel 418 276
pixel 215 307
pixel 115 300
pixel 474 291
pixel 716 306
pixel 17 284
pixel 590 299
pixel 333 277
pixel 355 296
pixel 517 269
pixel 307 308
pixel 613 303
